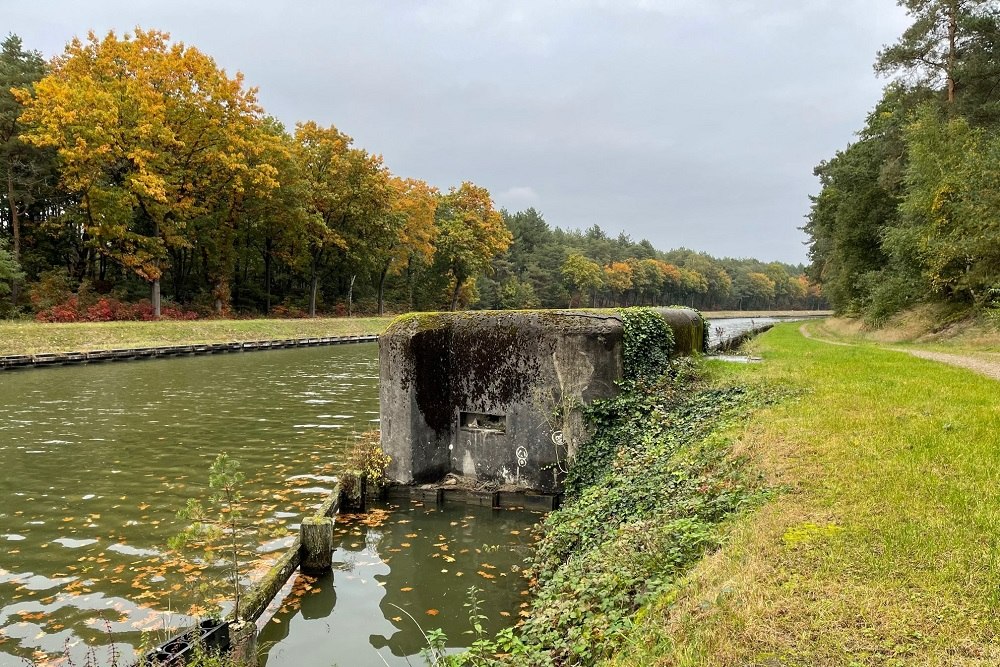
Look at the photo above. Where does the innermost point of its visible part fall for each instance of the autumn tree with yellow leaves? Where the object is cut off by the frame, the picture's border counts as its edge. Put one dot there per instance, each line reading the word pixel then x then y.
pixel 470 233
pixel 135 166
pixel 152 136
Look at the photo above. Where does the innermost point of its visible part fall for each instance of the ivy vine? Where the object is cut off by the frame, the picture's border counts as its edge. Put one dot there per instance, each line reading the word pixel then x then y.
pixel 647 343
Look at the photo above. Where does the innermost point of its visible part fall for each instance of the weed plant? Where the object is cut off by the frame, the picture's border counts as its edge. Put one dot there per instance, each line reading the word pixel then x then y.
pixel 646 499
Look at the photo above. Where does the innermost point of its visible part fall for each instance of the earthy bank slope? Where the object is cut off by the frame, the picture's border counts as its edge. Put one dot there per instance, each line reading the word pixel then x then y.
pixel 928 327
pixel 880 549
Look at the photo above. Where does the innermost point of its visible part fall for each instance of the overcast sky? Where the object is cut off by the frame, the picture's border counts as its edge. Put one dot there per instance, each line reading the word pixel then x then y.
pixel 690 123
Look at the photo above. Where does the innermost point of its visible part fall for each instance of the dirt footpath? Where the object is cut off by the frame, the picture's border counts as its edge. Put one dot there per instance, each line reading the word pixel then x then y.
pixel 988 367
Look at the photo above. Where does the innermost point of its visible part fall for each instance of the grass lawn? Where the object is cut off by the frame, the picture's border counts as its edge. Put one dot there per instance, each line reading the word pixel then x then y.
pixel 883 546
pixel 35 337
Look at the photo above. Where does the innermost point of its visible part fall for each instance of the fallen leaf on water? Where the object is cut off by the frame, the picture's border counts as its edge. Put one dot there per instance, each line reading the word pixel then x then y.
pixel 432 612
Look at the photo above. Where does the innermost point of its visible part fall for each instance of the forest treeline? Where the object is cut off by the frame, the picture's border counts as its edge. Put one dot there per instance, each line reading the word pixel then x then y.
pixel 140 180
pixel 911 210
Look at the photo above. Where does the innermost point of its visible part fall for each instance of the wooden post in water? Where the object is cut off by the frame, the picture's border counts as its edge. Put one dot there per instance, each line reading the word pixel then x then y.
pixel 243 640
pixel 317 544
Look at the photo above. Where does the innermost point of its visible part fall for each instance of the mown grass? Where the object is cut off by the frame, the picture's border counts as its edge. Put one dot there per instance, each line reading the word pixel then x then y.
pixel 37 337
pixel 18 337
pixel 884 546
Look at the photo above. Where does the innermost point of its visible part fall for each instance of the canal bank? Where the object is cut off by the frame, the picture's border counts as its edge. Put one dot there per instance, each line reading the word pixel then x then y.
pixel 649 496
pixel 98 462
pixel 877 550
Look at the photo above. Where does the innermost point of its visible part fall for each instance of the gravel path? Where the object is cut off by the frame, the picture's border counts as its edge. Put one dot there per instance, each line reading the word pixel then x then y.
pixel 988 367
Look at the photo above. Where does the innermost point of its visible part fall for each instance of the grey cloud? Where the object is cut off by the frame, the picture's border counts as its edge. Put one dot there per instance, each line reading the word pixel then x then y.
pixel 687 122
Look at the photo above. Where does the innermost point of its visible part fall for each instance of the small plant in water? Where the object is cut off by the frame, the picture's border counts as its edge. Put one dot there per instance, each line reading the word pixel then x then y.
pixel 366 465
pixel 219 530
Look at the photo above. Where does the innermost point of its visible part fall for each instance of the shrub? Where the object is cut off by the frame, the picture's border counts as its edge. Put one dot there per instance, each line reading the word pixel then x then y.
pixel 367 464
pixel 109 309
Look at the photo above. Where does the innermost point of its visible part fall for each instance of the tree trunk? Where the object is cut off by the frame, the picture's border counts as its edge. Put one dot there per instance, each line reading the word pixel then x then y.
pixel 267 274
pixel 314 283
pixel 313 289
pixel 381 290
pixel 454 294
pixel 952 37
pixel 409 283
pixel 350 296
pixel 155 298
pixel 15 224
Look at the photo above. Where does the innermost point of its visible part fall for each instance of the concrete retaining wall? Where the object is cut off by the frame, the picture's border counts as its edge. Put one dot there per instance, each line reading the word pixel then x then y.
pixel 14 361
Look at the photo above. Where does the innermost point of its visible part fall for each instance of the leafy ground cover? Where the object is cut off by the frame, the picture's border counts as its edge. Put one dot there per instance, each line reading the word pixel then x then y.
pixel 647 497
pixel 881 547
pixel 18 337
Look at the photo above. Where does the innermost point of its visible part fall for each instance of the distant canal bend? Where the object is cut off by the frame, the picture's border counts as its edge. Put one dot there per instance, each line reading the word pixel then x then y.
pixel 98 458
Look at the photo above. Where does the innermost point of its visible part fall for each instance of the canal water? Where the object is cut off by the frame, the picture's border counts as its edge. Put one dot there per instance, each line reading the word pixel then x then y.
pixel 97 459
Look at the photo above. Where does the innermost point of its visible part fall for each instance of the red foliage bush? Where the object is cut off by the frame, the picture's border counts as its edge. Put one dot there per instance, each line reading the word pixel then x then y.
pixel 109 309
pixel 287 312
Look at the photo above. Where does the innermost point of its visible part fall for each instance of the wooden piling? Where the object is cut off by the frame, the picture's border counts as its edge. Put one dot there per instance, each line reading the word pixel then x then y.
pixel 243 643
pixel 317 544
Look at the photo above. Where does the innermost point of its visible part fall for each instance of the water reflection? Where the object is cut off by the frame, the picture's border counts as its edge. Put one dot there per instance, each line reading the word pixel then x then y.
pixel 395 568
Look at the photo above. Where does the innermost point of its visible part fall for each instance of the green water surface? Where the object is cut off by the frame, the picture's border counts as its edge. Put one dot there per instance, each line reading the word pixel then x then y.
pixel 95 461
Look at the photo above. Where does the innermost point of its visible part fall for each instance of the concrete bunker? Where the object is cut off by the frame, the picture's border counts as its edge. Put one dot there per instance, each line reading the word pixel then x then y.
pixel 495 396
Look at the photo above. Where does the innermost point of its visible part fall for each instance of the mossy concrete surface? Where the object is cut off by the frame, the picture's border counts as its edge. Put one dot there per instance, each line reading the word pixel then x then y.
pixel 496 396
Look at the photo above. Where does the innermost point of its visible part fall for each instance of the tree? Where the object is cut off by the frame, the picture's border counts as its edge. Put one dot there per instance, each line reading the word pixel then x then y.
pixel 759 289
pixel 933 48
pixel 618 278
pixel 152 136
pixel 861 188
pixel 648 278
pixel 413 208
pixel 10 271
pixel 350 198
pixel 470 233
pixel 950 224
pixel 583 275
pixel 275 221
pixel 21 165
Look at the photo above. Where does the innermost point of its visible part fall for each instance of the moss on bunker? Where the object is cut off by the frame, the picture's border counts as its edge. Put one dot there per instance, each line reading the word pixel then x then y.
pixel 430 356
pixel 489 360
